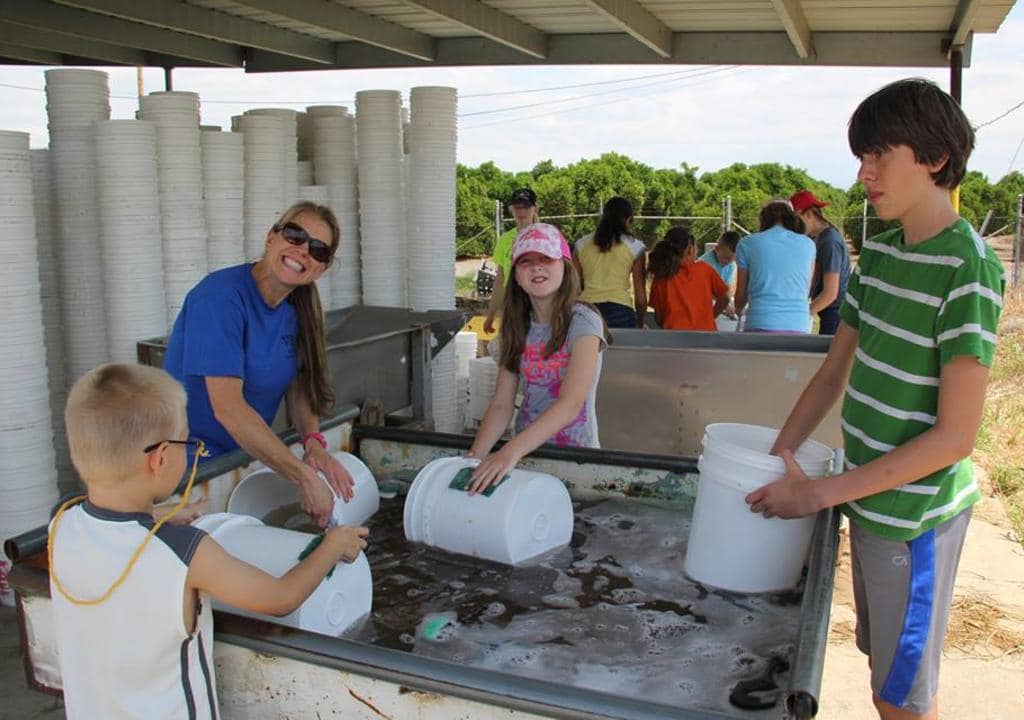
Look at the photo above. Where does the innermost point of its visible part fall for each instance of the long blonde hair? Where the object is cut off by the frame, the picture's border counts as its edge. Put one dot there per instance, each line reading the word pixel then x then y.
pixel 314 376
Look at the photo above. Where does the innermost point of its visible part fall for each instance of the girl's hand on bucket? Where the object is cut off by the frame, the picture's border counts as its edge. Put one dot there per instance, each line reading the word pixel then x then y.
pixel 337 476
pixel 492 468
pixel 347 542
pixel 793 496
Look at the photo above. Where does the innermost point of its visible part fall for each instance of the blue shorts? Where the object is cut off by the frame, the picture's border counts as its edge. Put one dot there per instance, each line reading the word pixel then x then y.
pixel 617 315
pixel 903 591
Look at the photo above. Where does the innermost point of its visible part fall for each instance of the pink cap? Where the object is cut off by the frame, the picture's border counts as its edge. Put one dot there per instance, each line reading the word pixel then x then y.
pixel 541 238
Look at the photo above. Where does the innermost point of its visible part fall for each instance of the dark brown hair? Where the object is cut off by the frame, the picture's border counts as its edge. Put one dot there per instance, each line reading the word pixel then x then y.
pixel 515 317
pixel 667 255
pixel 730 238
pixel 780 212
pixel 915 113
pixel 314 376
pixel 614 223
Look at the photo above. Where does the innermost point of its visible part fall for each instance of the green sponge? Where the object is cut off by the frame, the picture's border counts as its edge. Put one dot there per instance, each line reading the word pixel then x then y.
pixel 310 547
pixel 464 477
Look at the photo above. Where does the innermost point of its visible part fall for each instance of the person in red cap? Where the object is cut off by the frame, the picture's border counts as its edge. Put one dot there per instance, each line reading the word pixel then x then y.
pixel 551 348
pixel 832 268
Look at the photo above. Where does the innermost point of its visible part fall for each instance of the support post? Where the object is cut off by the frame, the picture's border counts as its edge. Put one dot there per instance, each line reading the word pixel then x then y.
pixel 864 223
pixel 728 213
pixel 1017 241
pixel 497 224
pixel 168 80
pixel 985 222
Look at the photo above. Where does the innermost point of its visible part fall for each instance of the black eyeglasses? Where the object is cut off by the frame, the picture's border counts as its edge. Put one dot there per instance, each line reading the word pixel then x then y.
pixel 199 446
pixel 295 235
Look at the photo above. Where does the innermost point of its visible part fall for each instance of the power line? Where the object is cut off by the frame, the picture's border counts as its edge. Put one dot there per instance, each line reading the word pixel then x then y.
pixel 588 95
pixel 1016 107
pixel 667 87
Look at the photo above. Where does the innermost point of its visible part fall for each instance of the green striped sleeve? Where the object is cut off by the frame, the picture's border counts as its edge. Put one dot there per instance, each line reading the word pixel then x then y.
pixel 968 319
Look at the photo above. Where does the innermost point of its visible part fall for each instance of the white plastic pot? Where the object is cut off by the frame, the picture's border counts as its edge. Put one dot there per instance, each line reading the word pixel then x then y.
pixel 262 491
pixel 527 515
pixel 731 547
pixel 339 602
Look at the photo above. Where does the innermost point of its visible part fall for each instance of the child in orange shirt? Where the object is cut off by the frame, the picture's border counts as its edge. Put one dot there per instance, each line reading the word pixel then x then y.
pixel 685 294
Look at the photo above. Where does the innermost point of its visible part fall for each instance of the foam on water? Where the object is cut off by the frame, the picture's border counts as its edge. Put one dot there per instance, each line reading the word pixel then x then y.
pixel 613 612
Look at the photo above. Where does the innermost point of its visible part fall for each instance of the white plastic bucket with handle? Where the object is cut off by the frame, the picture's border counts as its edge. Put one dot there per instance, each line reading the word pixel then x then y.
pixel 338 603
pixel 527 515
pixel 731 547
pixel 263 491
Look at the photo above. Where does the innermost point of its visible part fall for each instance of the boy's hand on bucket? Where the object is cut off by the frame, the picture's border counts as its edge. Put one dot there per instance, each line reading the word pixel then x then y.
pixel 337 476
pixel 793 496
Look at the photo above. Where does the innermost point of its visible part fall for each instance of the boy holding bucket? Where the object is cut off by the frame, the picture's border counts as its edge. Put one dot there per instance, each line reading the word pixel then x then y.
pixel 133 623
pixel 912 352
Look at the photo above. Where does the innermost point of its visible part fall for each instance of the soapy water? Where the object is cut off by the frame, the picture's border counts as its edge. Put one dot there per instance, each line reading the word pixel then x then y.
pixel 613 612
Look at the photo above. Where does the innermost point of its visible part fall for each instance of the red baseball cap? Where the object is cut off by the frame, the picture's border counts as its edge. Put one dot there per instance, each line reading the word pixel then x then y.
pixel 805 199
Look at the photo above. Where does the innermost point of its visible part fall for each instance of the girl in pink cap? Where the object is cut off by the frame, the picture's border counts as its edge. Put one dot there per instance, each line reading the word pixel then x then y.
pixel 551 347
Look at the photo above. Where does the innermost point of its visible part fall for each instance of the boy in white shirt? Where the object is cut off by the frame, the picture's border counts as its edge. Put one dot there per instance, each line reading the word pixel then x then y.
pixel 130 595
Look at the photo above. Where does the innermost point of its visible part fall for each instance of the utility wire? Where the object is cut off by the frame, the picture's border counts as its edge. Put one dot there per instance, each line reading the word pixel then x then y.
pixel 665 88
pixel 1016 107
pixel 590 95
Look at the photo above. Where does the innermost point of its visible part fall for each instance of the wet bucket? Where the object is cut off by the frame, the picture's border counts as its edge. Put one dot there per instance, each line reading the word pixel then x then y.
pixel 524 516
pixel 730 547
pixel 341 601
pixel 263 491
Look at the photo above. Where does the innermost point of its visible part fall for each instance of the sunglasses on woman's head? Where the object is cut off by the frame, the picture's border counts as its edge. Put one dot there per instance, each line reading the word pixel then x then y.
pixel 295 235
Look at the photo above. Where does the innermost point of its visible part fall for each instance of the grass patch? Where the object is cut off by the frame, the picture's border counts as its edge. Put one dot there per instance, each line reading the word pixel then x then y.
pixel 1000 446
pixel 465 286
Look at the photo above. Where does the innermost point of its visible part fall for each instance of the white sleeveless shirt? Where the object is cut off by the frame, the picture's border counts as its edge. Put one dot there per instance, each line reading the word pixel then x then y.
pixel 130 656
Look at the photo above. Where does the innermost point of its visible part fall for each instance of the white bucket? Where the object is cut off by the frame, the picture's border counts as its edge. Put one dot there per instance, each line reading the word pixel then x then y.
pixel 527 515
pixel 729 546
pixel 263 491
pixel 338 603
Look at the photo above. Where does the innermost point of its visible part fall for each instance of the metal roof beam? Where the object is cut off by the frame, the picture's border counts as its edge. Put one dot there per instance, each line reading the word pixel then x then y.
pixel 82 24
pixel 11 51
pixel 963 20
pixel 638 21
pixel 214 25
pixel 53 42
pixel 867 49
pixel 490 23
pixel 793 19
pixel 351 23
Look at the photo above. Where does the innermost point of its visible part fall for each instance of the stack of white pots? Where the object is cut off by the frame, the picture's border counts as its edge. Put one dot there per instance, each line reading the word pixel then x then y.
pixel 318 194
pixel 130 233
pixel 430 230
pixel 182 217
pixel 465 352
pixel 289 150
pixel 74 100
pixel 305 173
pixel 264 172
pixel 381 203
pixel 28 474
pixel 334 165
pixel 483 376
pixel 224 197
pixel 49 285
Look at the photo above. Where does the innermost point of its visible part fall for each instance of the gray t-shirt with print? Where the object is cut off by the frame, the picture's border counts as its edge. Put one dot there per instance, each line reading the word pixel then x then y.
pixel 540 378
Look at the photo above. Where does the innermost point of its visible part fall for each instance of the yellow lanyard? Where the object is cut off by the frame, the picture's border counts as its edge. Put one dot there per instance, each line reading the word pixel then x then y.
pixel 135 556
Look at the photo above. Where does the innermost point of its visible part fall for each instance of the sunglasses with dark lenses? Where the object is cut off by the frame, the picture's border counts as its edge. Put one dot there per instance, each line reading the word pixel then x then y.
pixel 295 235
pixel 197 445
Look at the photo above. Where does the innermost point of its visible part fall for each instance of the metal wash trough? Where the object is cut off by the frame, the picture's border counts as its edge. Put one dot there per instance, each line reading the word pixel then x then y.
pixel 657 390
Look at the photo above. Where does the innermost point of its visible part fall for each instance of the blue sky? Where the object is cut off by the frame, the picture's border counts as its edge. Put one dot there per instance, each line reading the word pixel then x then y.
pixel 663 116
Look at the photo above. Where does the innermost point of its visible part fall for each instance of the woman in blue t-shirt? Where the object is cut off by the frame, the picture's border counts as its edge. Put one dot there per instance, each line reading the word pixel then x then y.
pixel 251 335
pixel 773 272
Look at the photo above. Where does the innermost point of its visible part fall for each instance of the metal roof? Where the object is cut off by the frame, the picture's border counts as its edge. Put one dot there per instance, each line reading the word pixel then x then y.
pixel 281 35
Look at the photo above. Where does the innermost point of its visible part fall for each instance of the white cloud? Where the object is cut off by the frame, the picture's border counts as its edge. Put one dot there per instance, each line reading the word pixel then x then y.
pixel 794 116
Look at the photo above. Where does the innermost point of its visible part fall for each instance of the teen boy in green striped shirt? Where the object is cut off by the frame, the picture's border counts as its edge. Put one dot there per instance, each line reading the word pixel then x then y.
pixel 916 338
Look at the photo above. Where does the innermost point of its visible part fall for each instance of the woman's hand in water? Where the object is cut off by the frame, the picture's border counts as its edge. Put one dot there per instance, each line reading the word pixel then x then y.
pixel 493 468
pixel 337 476
pixel 315 496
